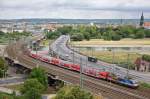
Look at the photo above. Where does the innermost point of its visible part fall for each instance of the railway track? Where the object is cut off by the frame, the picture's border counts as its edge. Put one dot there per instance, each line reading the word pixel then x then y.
pixel 109 90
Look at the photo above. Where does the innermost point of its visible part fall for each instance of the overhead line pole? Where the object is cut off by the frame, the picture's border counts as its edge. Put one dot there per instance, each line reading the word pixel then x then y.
pixel 37 65
pixel 128 65
pixel 81 78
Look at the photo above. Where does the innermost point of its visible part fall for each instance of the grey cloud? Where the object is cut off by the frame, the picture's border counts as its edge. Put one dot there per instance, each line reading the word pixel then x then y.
pixel 69 8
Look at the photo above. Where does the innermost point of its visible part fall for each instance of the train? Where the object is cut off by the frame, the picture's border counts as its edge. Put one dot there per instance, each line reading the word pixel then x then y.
pixel 90 71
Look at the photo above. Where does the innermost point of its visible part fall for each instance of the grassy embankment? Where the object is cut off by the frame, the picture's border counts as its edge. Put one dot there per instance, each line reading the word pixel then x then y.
pixel 127 41
pixel 4 39
pixel 145 85
pixel 107 56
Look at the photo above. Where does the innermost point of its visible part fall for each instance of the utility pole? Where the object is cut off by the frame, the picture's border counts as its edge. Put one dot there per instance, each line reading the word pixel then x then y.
pixel 92 52
pixel 81 79
pixel 37 65
pixel 128 65
pixel 73 54
pixel 113 59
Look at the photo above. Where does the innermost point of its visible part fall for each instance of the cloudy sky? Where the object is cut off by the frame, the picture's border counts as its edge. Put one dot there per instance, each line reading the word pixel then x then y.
pixel 74 9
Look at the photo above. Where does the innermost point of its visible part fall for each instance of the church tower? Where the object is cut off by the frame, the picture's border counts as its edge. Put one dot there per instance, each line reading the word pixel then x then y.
pixel 142 20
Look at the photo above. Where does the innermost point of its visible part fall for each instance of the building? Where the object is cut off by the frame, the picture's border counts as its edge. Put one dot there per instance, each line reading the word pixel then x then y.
pixel 142 65
pixel 142 20
pixel 147 25
pixel 18 30
pixel 6 30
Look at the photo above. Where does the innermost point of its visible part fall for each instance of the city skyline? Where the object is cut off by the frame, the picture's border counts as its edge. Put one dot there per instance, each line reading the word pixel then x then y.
pixel 78 9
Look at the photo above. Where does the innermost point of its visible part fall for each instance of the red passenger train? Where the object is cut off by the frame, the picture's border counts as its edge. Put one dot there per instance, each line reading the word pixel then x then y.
pixel 94 72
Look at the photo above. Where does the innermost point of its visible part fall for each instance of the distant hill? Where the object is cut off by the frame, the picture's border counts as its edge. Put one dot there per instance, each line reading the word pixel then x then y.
pixel 77 21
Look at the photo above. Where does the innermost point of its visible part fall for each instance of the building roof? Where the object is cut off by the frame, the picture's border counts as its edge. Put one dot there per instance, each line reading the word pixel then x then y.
pixel 146 24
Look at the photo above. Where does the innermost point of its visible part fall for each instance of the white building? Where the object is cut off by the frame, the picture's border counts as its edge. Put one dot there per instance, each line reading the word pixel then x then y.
pixel 6 30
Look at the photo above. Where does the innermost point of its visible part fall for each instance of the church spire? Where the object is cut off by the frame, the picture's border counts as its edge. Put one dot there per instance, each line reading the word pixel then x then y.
pixel 142 20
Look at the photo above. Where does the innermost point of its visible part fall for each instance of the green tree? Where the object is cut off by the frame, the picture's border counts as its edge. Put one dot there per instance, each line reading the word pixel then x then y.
pixel 32 89
pixel 73 92
pixel 86 36
pixel 53 35
pixel 3 67
pixel 147 33
pixel 139 34
pixel 116 37
pixel 65 29
pixel 40 75
pixel 2 33
pixel 77 37
pixel 146 57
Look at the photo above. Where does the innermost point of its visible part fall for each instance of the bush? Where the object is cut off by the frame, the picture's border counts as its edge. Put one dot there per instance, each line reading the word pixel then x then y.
pixel 73 92
pixel 140 34
pixel 77 37
pixel 3 67
pixel 116 37
pixel 147 33
pixel 145 85
pixel 146 57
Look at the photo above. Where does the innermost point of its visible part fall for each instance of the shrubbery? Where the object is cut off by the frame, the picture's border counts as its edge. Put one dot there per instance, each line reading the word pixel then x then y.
pixel 146 57
pixel 73 92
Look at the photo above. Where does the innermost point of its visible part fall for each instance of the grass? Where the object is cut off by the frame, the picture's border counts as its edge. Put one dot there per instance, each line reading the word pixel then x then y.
pixel 126 41
pixel 145 85
pixel 4 40
pixel 5 96
pixel 46 42
pixel 14 87
pixel 107 56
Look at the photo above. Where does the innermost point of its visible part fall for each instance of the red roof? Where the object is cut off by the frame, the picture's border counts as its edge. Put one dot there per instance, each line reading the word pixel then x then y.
pixel 147 24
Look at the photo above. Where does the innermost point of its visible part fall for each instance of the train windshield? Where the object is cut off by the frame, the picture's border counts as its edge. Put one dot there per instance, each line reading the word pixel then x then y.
pixel 134 81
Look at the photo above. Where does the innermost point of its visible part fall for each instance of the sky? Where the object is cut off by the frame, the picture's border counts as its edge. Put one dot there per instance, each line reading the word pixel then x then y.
pixel 74 9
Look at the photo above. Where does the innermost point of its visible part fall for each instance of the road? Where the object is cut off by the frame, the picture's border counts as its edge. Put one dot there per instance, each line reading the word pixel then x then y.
pixel 13 80
pixel 63 51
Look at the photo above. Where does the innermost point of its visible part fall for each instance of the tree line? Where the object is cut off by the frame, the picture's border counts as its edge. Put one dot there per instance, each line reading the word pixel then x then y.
pixel 82 32
pixel 14 34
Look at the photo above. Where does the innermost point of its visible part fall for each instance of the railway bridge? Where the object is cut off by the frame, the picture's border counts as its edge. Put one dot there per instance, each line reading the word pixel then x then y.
pixel 16 52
